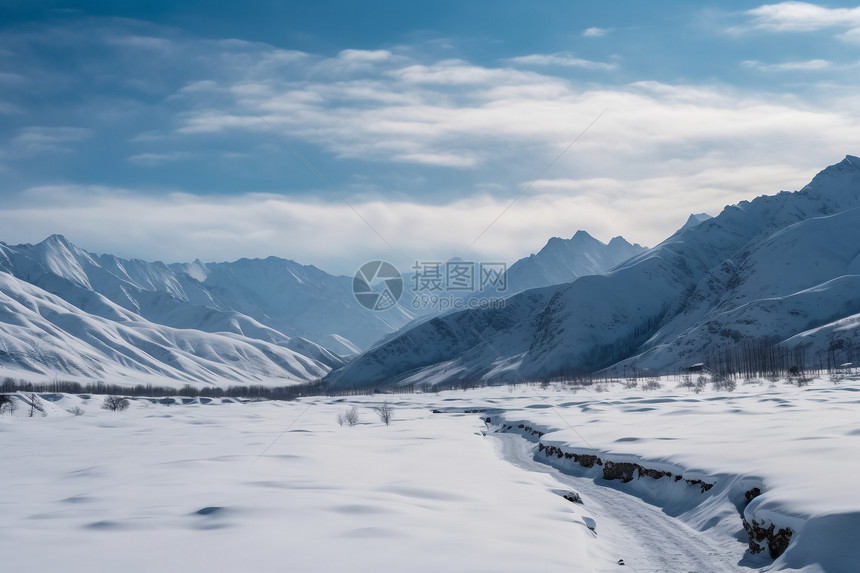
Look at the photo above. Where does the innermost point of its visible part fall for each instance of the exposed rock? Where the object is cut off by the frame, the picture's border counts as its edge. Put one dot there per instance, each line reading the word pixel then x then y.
pixel 624 471
pixel 653 474
pixel 761 538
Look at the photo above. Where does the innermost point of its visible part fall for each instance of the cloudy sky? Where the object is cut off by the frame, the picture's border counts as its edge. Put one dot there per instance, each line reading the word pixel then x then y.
pixel 335 132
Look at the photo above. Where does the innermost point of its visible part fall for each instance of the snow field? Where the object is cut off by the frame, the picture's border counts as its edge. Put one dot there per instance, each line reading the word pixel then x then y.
pixel 281 486
pixel 170 487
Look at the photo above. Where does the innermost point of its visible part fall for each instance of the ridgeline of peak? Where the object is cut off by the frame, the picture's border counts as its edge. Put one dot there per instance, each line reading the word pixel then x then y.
pixel 769 268
pixel 696 219
pixel 565 260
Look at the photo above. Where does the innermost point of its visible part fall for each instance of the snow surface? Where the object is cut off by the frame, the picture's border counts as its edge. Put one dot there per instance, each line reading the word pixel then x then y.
pixel 194 487
pixel 274 486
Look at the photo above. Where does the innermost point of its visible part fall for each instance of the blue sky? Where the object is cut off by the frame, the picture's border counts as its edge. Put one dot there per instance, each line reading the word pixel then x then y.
pixel 156 130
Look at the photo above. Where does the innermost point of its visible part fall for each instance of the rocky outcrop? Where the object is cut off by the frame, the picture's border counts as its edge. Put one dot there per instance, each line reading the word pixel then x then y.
pixel 624 471
pixel 774 540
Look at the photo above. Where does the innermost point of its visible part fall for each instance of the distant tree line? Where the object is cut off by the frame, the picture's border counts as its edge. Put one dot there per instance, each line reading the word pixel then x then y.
pixel 250 392
pixel 253 391
pixel 758 358
pixel 766 358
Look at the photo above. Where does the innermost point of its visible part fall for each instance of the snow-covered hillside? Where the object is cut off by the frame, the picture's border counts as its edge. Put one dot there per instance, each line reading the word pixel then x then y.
pixel 272 299
pixel 775 266
pixel 44 336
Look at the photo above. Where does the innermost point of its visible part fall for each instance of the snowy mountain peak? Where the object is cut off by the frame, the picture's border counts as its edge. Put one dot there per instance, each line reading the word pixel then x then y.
pixel 58 255
pixel 852 160
pixel 838 182
pixel 57 239
pixel 775 267
pixel 564 260
pixel 624 247
pixel 696 219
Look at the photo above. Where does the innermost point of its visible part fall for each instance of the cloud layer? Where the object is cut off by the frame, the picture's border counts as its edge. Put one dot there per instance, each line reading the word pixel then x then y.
pixel 193 153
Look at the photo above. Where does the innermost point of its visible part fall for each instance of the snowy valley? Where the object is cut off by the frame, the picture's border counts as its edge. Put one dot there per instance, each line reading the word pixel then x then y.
pixel 558 477
pixel 688 407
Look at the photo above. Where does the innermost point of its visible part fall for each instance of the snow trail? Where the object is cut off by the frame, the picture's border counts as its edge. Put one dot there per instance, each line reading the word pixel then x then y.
pixel 646 538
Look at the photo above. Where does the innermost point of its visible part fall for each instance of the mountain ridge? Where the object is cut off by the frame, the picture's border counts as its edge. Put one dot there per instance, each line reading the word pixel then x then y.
pixel 600 320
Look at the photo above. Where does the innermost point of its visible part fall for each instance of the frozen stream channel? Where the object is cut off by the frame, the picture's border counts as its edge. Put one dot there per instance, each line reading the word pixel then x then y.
pixel 646 538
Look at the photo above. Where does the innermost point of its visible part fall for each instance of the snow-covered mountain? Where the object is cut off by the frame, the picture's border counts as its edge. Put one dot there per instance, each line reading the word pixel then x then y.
pixel 565 260
pixel 272 299
pixel 777 267
pixel 269 318
pixel 67 312
pixel 98 340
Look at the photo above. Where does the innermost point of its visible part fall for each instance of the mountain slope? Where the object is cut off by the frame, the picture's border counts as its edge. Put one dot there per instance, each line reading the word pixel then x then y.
pixel 565 260
pixel 799 279
pixel 43 334
pixel 639 309
pixel 273 299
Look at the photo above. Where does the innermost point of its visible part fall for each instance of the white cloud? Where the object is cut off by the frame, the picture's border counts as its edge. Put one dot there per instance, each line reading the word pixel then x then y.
pixel 595 32
pixel 562 59
pixel 155 159
pixel 806 17
pixel 802 17
pixel 182 227
pixel 801 66
pixel 852 36
pixel 146 42
pixel 463 115
pixel 457 73
pixel 365 55
pixel 39 139
pixel 467 130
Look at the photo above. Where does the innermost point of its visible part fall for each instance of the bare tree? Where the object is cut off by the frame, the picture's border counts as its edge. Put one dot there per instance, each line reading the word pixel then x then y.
pixel 7 403
pixel 115 403
pixel 34 404
pixel 385 412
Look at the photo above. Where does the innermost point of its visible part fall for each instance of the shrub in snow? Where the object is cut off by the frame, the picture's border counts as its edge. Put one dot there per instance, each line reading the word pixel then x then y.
pixel 385 412
pixel 836 376
pixel 76 411
pixel 349 417
pixel 726 384
pixel 651 385
pixel 115 403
